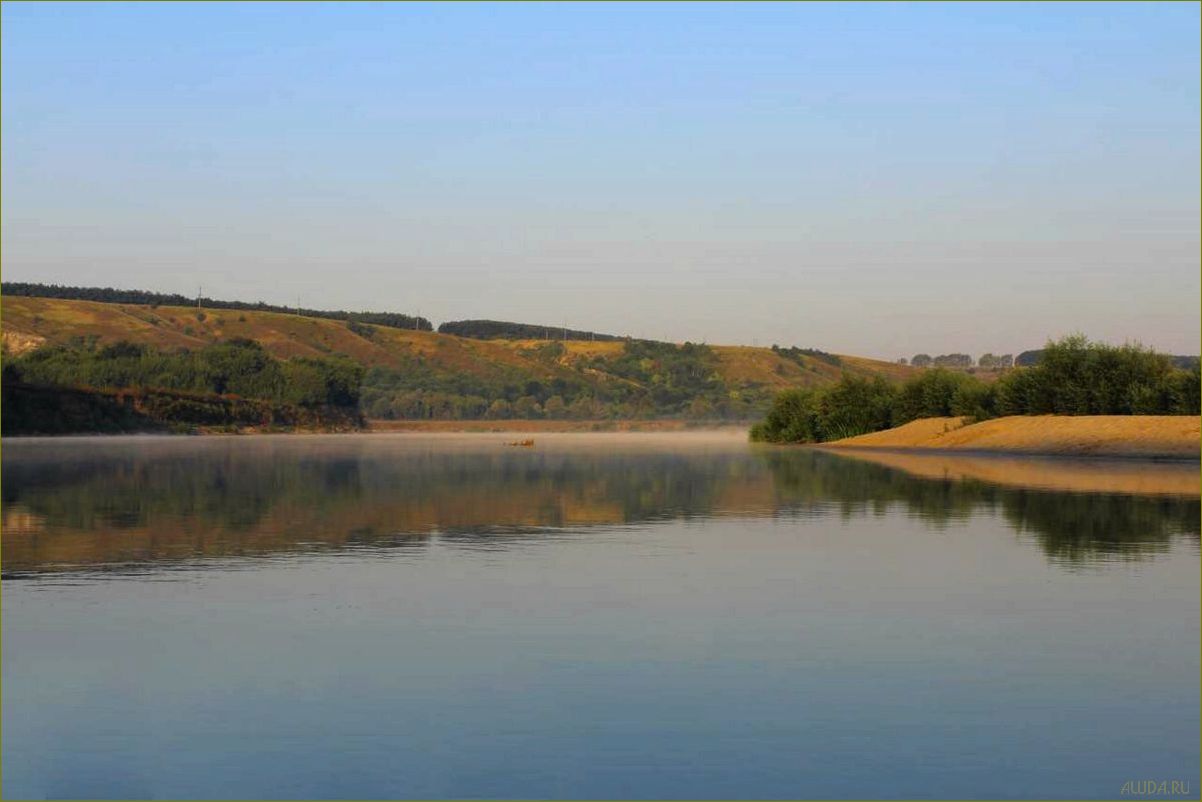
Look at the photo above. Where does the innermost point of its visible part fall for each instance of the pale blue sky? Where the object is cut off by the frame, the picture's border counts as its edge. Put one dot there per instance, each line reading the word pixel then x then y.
pixel 875 179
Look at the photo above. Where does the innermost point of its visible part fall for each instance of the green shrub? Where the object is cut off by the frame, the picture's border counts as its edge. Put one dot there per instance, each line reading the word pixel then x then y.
pixel 930 395
pixel 359 329
pixel 1073 377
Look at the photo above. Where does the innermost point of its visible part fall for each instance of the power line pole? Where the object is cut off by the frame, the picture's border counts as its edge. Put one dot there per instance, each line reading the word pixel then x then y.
pixel 199 290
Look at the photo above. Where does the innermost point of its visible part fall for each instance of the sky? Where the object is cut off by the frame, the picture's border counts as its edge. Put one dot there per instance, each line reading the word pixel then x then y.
pixel 877 179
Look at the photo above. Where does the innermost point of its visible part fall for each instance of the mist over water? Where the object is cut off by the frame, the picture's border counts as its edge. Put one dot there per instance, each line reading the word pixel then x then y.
pixel 658 616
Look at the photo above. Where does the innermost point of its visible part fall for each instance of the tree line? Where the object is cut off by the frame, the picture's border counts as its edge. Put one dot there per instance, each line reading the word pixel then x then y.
pixel 1028 358
pixel 646 380
pixel 798 355
pixel 503 330
pixel 1003 361
pixel 1073 377
pixel 237 367
pixel 961 361
pixel 109 295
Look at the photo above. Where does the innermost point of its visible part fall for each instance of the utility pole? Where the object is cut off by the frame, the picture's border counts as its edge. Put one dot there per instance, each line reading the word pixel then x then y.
pixel 199 290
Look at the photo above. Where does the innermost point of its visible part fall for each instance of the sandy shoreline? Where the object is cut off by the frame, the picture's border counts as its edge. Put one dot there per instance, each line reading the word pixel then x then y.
pixel 1157 437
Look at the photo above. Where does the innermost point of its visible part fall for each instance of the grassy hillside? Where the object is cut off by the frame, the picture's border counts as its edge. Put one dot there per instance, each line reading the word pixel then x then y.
pixel 419 374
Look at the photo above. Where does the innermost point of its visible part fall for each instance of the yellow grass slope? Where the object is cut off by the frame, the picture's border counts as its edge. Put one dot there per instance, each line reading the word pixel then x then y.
pixel 1160 436
pixel 32 322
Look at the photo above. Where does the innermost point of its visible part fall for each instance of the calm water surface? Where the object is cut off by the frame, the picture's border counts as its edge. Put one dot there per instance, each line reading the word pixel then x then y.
pixel 599 616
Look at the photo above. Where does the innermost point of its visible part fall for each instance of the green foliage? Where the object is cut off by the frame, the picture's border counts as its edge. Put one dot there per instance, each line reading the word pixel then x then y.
pixel 851 407
pixel 1073 377
pixel 359 329
pixel 503 330
pixel 798 355
pixel 1077 377
pixel 995 361
pixel 793 418
pixel 953 361
pixel 974 400
pixel 929 395
pixel 855 406
pixel 37 409
pixel 645 380
pixel 236 367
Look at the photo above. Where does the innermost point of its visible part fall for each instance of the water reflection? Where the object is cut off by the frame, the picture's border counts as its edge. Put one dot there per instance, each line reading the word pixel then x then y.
pixel 1071 527
pixel 108 504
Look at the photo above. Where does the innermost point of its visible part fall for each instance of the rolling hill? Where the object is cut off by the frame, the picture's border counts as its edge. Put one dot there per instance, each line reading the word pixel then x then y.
pixel 423 374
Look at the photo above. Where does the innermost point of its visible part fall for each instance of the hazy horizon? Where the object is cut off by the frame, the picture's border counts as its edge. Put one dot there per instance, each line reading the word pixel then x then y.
pixel 875 180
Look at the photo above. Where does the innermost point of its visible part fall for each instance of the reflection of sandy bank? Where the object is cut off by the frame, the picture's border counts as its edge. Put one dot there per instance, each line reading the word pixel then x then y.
pixel 17 520
pixel 1092 476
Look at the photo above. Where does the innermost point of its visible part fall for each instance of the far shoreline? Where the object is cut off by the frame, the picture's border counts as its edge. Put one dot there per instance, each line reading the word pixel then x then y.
pixel 1148 439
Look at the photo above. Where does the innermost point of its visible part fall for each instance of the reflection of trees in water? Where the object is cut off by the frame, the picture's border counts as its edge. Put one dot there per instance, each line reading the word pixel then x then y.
pixel 805 478
pixel 1070 527
pixel 177 503
pixel 1076 527
pixel 238 498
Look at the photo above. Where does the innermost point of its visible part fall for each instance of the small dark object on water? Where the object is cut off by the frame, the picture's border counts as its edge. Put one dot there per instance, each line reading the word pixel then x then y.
pixel 522 443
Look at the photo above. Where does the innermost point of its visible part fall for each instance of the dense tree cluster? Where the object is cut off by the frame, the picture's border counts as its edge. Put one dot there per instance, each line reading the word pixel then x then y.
pixel 1073 377
pixel 995 362
pixel 237 367
pixel 140 297
pixel 1029 358
pixel 798 355
pixel 37 409
pixel 953 361
pixel 962 361
pixel 646 380
pixel 503 330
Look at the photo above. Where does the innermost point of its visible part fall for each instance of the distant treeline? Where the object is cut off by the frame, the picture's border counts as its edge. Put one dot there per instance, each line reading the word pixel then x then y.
pixel 1073 377
pixel 953 360
pixel 1030 358
pixel 502 330
pixel 797 354
pixel 140 297
pixel 229 383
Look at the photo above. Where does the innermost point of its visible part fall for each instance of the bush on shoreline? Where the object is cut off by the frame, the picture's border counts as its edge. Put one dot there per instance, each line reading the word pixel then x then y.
pixel 1073 377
